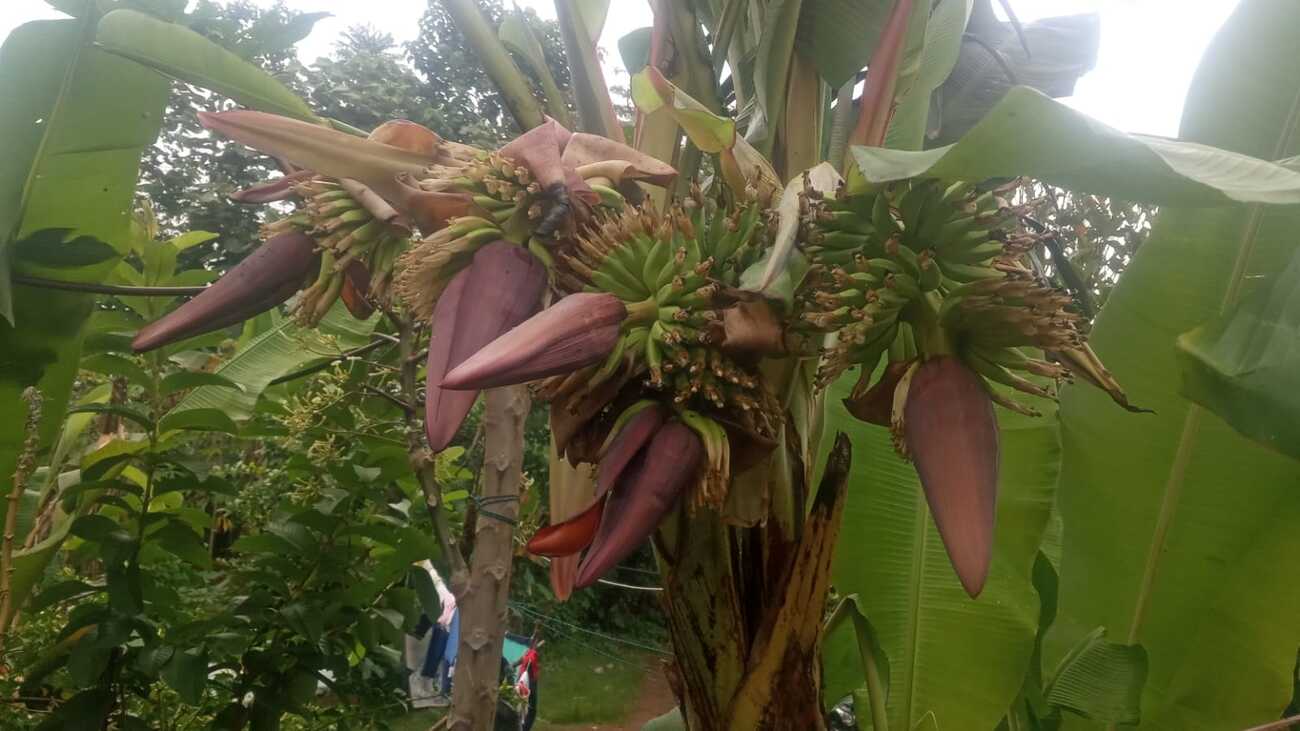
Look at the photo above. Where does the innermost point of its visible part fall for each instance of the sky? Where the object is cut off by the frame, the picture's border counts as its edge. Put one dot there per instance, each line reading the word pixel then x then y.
pixel 1149 48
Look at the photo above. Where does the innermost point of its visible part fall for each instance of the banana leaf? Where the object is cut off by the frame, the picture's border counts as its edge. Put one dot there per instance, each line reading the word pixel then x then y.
pixel 1245 365
pixel 1180 532
pixel 72 130
pixel 1029 134
pixel 1055 53
pixel 285 348
pixel 182 54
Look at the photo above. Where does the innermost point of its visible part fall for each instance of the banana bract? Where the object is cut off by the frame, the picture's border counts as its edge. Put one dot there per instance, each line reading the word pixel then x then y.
pixel 267 278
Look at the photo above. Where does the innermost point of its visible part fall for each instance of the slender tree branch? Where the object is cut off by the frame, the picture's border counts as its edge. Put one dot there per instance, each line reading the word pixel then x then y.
pixel 25 466
pixel 118 289
pixel 421 458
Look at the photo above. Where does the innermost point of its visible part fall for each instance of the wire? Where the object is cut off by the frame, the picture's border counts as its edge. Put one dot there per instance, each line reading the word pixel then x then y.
pixel 124 290
pixel 634 587
pixel 573 637
pixel 619 640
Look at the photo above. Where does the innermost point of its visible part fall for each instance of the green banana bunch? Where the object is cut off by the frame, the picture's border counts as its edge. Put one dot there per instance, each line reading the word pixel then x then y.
pixel 923 268
pixel 668 269
pixel 351 239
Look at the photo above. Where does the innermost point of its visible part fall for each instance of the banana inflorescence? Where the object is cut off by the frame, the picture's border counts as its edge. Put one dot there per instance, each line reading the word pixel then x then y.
pixel 643 319
pixel 653 354
pixel 930 277
pixel 348 235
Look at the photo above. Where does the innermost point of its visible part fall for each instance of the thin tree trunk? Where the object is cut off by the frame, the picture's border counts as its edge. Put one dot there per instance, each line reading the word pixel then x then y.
pixel 482 603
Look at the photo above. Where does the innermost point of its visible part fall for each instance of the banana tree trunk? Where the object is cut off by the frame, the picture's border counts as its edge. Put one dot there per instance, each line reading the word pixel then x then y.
pixel 482 601
pixel 745 609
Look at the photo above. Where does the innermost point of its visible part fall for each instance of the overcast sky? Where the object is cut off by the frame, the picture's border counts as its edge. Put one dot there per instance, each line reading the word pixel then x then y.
pixel 1149 48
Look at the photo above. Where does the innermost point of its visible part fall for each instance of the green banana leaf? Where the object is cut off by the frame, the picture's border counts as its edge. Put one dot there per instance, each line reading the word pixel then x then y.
pixel 939 52
pixel 838 36
pixel 1180 534
pixel 73 126
pixel 962 660
pixel 283 349
pixel 1028 133
pixel 180 53
pixel 1245 365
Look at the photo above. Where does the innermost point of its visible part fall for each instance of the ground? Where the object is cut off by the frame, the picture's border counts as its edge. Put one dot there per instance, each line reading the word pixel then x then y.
pixel 588 688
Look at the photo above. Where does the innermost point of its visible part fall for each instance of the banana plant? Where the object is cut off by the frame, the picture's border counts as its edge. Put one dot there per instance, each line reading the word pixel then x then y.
pixel 904 287
pixel 795 374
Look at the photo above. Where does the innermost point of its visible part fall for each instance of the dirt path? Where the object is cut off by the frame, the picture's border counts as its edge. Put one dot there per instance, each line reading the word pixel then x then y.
pixel 653 698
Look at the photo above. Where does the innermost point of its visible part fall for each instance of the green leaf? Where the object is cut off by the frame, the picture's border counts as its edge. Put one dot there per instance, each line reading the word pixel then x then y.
pixel 875 663
pixel 1245 366
pixel 285 348
pixel 181 541
pixel 942 46
pixel 1101 680
pixel 950 655
pixel 271 33
pixel 60 592
pixel 710 132
pixel 838 36
pixel 192 238
pixel 96 465
pixel 301 688
pixel 151 659
pixel 99 529
pixel 116 365
pixel 182 54
pixel 214 420
pixel 187 674
pixel 426 591
pixel 1179 532
pixel 1029 134
pixel 264 543
pixel 88 661
pixel 1063 49
pixel 72 128
pixel 772 69
pixel 634 48
pixel 114 410
pixel 517 34
pixel 184 380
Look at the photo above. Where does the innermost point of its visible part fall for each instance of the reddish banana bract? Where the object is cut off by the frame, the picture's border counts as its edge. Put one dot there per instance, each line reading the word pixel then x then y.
pixel 569 536
pixel 646 493
pixel 578 331
pixel 266 278
pixel 500 288
pixel 627 444
pixel 952 436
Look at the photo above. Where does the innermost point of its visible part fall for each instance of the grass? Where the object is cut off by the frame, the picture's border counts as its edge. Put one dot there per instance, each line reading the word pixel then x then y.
pixel 417 721
pixel 578 685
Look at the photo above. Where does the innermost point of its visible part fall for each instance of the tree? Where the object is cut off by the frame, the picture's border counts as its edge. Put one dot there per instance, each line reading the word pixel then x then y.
pixel 456 83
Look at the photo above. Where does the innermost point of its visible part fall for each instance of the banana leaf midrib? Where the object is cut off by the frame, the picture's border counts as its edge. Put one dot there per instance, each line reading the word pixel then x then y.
pixel 916 580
